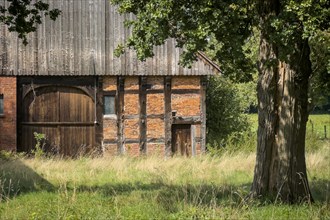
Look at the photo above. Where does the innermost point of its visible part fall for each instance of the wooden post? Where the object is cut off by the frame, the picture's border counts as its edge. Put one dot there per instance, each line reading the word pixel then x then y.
pixel 99 115
pixel 120 114
pixel 203 114
pixel 143 114
pixel 168 115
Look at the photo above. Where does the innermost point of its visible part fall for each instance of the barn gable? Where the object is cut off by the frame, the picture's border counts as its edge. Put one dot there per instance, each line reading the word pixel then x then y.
pixel 67 84
pixel 82 42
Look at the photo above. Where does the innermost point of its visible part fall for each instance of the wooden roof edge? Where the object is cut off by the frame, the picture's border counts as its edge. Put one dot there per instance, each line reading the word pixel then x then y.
pixel 208 61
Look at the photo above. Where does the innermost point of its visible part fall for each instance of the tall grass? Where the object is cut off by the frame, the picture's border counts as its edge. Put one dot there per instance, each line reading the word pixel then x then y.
pixel 143 188
pixel 203 187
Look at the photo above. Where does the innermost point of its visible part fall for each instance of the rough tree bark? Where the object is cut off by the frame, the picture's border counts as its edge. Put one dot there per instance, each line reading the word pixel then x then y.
pixel 280 170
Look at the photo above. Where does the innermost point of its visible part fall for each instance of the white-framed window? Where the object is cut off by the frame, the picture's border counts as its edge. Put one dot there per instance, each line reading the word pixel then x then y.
pixel 1 105
pixel 109 107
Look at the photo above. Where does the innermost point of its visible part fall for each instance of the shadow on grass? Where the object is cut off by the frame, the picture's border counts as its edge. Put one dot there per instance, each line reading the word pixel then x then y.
pixel 169 196
pixel 17 178
pixel 320 189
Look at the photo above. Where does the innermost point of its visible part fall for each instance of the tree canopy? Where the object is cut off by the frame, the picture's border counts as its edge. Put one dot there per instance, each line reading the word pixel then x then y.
pixel 287 28
pixel 23 16
pixel 221 26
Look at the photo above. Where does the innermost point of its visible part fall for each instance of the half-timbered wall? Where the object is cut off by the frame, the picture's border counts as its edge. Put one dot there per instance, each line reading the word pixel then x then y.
pixel 8 118
pixel 153 99
pixel 139 127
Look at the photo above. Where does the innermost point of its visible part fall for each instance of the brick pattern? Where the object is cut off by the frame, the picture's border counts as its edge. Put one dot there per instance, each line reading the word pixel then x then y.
pixel 155 104
pixel 109 128
pixel 8 138
pixel 156 82
pixel 185 82
pixel 131 128
pixel 156 149
pixel 110 83
pixel 131 104
pixel 133 150
pixel 132 83
pixel 155 128
pixel 184 104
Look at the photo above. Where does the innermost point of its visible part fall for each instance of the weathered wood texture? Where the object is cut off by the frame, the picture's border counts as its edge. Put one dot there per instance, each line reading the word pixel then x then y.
pixel 82 42
pixel 181 140
pixel 64 113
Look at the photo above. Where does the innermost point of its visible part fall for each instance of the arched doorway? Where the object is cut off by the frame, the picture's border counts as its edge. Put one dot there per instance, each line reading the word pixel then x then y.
pixel 65 114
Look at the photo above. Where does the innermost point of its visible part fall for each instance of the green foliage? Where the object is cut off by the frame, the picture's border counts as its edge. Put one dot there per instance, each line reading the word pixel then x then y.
pixel 194 25
pixel 225 108
pixel 23 16
pixel 223 27
pixel 295 20
pixel 38 151
pixel 320 57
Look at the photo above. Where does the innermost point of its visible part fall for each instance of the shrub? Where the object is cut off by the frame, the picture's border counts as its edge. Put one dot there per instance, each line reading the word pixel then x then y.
pixel 225 112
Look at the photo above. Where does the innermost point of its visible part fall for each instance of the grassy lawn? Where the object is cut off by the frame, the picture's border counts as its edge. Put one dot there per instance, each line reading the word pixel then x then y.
pixel 100 188
pixel 203 187
pixel 315 124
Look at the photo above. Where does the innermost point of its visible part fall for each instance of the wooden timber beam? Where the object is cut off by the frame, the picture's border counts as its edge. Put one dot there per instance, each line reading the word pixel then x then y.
pixel 120 114
pixel 168 115
pixel 143 114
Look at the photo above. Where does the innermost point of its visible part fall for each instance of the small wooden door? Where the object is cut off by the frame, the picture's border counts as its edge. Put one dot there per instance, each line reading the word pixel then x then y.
pixel 64 114
pixel 181 139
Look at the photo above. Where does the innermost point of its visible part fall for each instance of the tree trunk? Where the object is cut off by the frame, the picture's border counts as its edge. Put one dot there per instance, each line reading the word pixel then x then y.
pixel 280 170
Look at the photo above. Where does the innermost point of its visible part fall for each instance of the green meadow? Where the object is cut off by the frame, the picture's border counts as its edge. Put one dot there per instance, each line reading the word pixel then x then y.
pixel 202 187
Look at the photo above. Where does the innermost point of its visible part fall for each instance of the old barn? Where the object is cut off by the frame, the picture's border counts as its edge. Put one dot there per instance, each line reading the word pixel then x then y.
pixel 67 84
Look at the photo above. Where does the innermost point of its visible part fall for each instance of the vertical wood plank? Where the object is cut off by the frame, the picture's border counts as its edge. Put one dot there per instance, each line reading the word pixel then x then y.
pixel 107 43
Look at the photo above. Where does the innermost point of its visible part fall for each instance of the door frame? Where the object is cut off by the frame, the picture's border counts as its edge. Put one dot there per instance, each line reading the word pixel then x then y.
pixel 192 129
pixel 90 85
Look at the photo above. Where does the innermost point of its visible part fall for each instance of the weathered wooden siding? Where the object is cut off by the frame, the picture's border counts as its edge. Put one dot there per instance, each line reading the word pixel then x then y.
pixel 65 109
pixel 82 42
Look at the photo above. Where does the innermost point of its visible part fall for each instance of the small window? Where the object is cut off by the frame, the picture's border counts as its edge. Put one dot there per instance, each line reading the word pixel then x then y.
pixel 1 104
pixel 109 105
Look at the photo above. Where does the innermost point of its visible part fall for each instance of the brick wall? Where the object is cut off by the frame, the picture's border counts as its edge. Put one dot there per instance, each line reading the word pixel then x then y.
pixel 110 123
pixel 8 136
pixel 185 104
pixel 155 126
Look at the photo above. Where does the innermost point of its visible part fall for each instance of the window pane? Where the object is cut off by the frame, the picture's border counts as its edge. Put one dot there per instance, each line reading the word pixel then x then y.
pixel 1 104
pixel 109 105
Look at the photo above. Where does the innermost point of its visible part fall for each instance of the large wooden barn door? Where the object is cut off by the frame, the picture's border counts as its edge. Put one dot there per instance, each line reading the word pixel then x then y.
pixel 65 114
pixel 181 139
